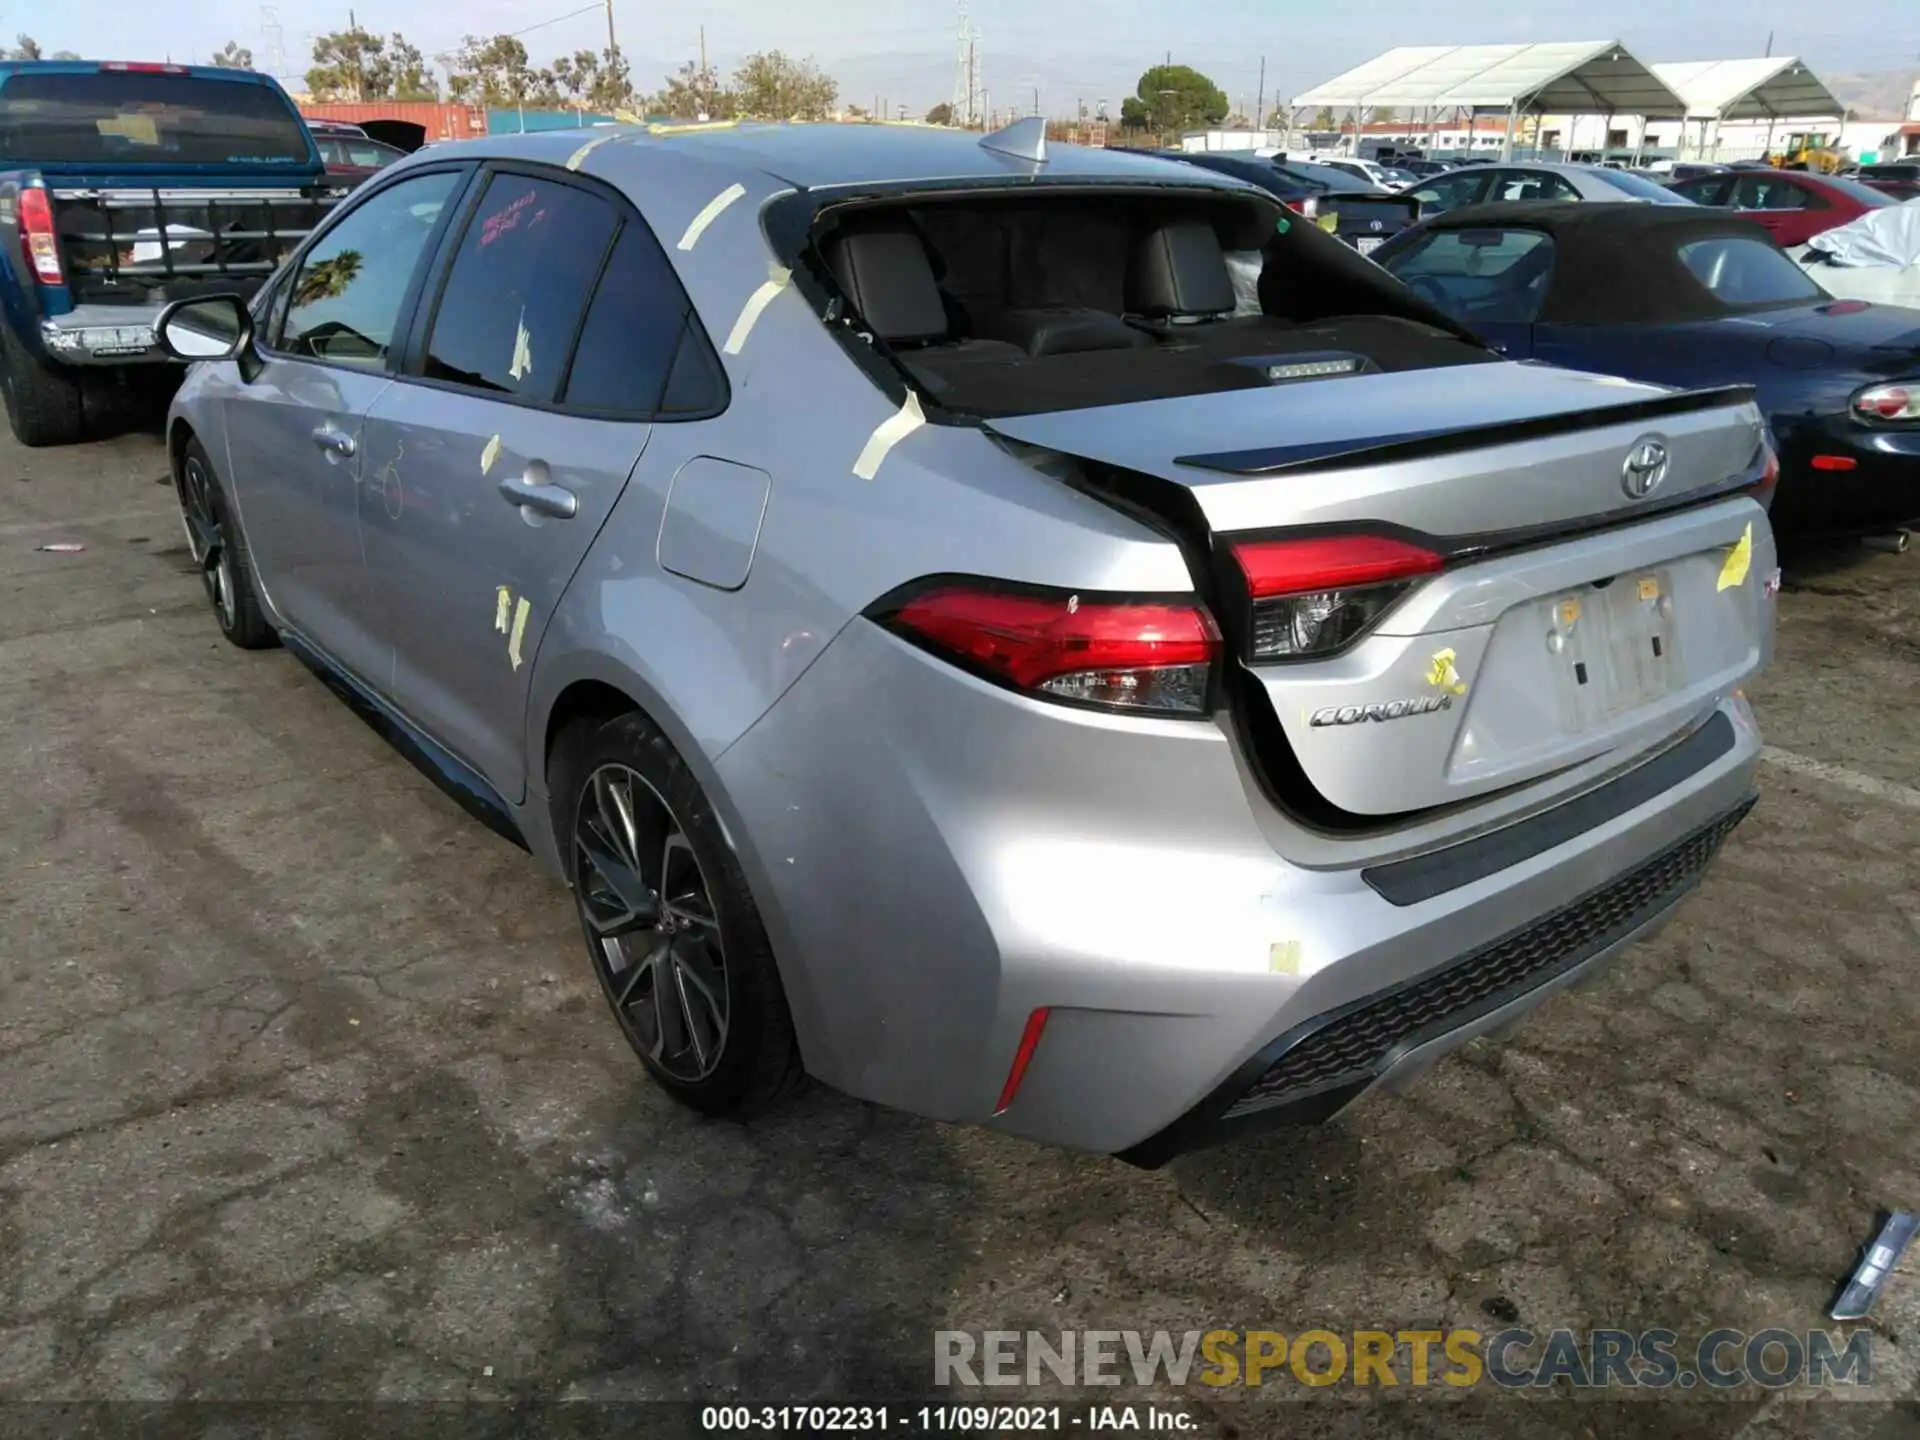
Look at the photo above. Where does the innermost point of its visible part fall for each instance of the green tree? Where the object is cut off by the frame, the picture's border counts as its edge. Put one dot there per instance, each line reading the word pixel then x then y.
pixel 1385 112
pixel 1174 97
pixel 66 55
pixel 231 56
pixel 347 65
pixel 1324 120
pixel 576 74
pixel 691 92
pixel 941 114
pixel 403 72
pixel 612 87
pixel 770 86
pixel 25 47
pixel 491 72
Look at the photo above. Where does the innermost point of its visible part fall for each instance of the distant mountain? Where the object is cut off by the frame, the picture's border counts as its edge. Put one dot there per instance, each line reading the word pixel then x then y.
pixel 1873 95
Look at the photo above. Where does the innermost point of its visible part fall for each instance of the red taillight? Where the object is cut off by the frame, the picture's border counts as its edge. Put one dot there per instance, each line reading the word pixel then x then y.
pixel 1307 206
pixel 143 67
pixel 1769 470
pixel 1029 1042
pixel 1835 462
pixel 1314 595
pixel 37 236
pixel 1139 655
pixel 1888 402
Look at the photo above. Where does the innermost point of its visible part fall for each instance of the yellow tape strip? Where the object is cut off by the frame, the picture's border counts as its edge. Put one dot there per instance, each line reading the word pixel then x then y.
pixel 502 600
pixel 711 213
pixel 689 127
pixel 892 431
pixel 490 454
pixel 522 365
pixel 1739 560
pixel 777 278
pixel 519 631
pixel 574 160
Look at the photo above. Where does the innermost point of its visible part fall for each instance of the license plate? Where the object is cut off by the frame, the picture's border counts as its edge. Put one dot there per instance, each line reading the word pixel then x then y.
pixel 1614 646
pixel 1369 243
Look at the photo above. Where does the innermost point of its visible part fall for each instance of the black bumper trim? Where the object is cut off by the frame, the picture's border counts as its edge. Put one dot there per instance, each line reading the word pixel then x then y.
pixel 1408 882
pixel 1212 1122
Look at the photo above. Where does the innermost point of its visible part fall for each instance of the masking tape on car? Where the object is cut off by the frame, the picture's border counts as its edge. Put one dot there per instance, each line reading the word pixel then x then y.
pixel 1739 560
pixel 777 278
pixel 891 431
pixel 574 160
pixel 490 454
pixel 522 365
pixel 698 225
pixel 519 631
pixel 502 602
pixel 1443 676
pixel 1283 957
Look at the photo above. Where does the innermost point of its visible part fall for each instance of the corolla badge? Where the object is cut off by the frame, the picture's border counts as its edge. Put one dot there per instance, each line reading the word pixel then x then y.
pixel 1645 467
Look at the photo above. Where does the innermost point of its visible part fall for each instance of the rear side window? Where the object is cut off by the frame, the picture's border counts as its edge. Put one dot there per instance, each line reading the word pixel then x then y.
pixel 1637 186
pixel 135 117
pixel 1713 190
pixel 642 350
pixel 1748 273
pixel 344 301
pixel 1765 193
pixel 518 286
pixel 1497 276
pixel 1532 185
pixel 1854 190
pixel 1450 193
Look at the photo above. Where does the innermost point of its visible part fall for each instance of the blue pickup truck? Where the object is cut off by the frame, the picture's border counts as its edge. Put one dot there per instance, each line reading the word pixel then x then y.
pixel 124 186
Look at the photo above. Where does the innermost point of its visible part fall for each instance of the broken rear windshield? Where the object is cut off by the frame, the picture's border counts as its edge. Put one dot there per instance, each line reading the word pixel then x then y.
pixel 111 117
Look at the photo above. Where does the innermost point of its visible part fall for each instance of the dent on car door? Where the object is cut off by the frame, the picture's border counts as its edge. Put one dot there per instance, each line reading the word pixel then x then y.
pixel 531 390
pixel 293 431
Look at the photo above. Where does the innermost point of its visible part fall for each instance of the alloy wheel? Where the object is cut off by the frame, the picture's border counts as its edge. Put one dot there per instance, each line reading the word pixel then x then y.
pixel 655 935
pixel 206 539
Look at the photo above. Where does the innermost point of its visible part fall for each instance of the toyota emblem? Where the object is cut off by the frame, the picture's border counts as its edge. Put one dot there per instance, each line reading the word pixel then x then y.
pixel 1379 225
pixel 1645 468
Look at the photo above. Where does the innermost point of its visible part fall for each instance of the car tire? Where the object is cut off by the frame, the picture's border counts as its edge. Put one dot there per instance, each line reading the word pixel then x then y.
pixel 220 553
pixel 44 406
pixel 692 981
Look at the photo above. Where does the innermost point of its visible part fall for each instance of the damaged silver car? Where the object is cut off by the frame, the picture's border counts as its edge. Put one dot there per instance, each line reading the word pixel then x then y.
pixel 957 643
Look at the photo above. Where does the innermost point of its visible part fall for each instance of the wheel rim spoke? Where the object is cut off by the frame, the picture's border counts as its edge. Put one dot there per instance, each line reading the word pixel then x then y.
pixel 657 936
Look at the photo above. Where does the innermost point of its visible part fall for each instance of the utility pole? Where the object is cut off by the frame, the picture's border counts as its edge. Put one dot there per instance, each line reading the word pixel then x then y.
pixel 1260 105
pixel 353 38
pixel 1769 44
pixel 613 49
pixel 973 82
pixel 1036 99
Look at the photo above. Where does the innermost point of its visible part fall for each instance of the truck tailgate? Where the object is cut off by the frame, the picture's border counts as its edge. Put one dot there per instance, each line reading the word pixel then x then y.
pixel 141 246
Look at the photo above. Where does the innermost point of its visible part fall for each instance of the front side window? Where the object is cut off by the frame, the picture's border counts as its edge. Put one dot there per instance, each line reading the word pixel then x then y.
pixel 1532 185
pixel 1450 193
pixel 1766 193
pixel 1494 276
pixel 343 304
pixel 1637 186
pixel 1711 190
pixel 518 286
pixel 1748 273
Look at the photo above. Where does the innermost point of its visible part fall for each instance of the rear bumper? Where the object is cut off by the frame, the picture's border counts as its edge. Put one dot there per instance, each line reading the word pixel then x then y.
pixel 1880 491
pixel 936 859
pixel 104 335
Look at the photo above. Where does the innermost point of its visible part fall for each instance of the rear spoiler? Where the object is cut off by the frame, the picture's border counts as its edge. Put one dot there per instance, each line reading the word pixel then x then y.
pixel 1422 444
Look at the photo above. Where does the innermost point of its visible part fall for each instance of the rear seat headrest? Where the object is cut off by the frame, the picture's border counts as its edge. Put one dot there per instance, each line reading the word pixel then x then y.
pixel 889 278
pixel 1180 269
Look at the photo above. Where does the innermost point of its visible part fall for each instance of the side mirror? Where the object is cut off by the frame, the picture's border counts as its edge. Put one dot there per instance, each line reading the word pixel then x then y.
pixel 212 327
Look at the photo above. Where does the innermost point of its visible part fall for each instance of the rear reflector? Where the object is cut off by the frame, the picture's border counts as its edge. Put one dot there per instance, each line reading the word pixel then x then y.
pixel 1029 1042
pixel 1834 462
pixel 1134 655
pixel 143 67
pixel 37 235
pixel 1315 595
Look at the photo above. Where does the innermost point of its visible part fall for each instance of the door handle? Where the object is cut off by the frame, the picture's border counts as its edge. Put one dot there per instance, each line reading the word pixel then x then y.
pixel 552 500
pixel 337 442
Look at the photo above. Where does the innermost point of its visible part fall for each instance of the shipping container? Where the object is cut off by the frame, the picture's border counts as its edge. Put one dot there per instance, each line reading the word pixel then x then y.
pixel 440 121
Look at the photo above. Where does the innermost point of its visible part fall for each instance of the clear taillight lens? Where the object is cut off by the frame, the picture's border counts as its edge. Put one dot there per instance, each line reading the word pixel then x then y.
pixel 1888 402
pixel 1144 656
pixel 1317 595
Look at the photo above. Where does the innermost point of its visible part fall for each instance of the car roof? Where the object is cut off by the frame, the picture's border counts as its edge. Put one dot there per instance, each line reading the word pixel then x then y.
pixel 814 156
pixel 1613 264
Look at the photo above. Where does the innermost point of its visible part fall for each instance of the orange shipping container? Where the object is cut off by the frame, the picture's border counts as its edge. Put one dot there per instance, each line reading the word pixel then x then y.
pixel 441 122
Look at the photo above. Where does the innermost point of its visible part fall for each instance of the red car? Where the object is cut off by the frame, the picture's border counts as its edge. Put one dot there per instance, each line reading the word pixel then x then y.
pixel 1795 205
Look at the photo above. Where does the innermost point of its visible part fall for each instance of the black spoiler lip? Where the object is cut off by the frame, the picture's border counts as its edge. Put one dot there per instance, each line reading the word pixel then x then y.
pixel 1421 444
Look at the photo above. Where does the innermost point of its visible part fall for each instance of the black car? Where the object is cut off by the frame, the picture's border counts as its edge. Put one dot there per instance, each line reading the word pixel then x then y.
pixel 1363 215
pixel 1695 298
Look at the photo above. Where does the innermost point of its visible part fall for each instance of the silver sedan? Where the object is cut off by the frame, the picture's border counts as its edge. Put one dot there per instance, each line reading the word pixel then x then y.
pixel 1531 180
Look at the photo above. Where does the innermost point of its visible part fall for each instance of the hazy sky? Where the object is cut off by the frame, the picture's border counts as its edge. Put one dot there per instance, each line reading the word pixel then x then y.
pixel 905 49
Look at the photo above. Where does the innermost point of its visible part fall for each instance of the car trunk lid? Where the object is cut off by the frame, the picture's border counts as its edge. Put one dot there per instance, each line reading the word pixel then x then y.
pixel 1564 617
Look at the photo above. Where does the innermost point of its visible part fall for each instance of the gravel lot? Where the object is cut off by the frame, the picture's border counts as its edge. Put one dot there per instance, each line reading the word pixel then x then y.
pixel 306 1091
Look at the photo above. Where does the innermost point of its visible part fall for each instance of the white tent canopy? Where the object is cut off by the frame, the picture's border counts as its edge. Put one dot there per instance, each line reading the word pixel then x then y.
pixel 1776 88
pixel 1598 77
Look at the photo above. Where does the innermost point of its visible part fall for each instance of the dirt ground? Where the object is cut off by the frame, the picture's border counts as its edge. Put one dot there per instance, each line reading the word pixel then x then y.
pixel 306 1092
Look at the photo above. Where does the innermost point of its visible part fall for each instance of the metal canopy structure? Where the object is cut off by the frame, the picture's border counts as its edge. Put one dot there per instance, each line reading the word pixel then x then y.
pixel 1599 77
pixel 1775 88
